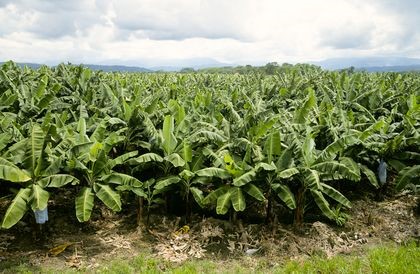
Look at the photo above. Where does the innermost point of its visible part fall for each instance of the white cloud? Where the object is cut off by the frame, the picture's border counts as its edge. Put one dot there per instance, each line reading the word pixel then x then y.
pixel 236 31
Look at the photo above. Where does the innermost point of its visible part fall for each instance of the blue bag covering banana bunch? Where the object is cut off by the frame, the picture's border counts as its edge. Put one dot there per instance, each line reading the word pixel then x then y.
pixel 382 172
pixel 41 216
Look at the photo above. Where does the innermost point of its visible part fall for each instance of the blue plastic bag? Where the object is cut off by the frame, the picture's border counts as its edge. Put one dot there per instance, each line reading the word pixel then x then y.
pixel 41 216
pixel 382 172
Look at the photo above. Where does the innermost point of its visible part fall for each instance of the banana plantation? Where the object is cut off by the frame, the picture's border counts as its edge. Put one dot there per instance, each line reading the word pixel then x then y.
pixel 212 144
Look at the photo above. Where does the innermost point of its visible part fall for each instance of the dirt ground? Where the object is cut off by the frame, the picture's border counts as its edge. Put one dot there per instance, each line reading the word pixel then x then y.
pixel 67 243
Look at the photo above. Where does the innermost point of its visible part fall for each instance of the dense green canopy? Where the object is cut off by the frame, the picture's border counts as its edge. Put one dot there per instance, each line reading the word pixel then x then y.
pixel 220 141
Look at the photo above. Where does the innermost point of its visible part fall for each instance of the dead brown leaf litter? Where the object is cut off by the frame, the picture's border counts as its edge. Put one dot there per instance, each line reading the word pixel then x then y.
pixel 106 238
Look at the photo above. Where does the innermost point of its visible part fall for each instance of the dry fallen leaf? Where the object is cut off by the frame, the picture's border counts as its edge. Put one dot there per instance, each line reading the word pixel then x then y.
pixel 58 249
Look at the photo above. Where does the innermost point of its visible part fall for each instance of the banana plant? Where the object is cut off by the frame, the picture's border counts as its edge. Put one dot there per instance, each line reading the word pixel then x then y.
pixel 236 178
pixel 188 183
pixel 144 191
pixel 177 163
pixel 37 171
pixel 314 169
pixel 90 161
pixel 276 169
pixel 179 156
pixel 409 172
pixel 381 144
pixel 170 147
pixel 168 157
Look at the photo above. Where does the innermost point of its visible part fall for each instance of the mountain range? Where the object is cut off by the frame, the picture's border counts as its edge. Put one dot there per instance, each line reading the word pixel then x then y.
pixel 372 64
pixel 106 68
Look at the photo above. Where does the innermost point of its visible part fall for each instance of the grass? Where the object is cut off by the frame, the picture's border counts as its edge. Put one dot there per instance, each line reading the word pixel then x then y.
pixel 383 259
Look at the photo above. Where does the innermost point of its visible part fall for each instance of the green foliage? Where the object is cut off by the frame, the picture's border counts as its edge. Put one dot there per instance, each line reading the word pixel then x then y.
pixel 16 209
pixel 279 132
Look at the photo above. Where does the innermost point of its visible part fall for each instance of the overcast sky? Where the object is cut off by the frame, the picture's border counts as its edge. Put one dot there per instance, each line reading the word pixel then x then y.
pixel 158 32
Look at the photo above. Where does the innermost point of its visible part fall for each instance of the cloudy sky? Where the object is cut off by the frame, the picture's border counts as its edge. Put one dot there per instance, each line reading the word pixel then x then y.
pixel 161 32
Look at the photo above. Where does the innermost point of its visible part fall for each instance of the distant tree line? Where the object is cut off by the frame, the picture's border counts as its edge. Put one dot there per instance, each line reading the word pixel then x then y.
pixel 268 69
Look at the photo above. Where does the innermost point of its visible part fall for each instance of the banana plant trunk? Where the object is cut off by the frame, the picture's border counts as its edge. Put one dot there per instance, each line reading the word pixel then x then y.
pixel 188 209
pixel 140 211
pixel 166 197
pixel 234 217
pixel 269 213
pixel 300 204
pixel 41 217
pixel 148 214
